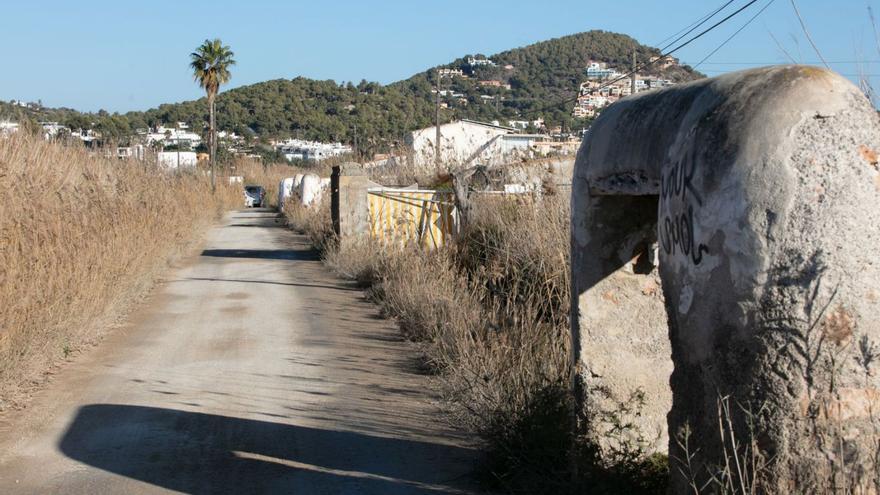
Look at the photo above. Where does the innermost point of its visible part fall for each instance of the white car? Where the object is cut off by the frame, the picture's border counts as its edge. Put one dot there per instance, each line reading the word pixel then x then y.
pixel 253 196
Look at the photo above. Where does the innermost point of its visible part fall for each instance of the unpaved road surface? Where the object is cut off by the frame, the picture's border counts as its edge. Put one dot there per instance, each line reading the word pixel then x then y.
pixel 250 370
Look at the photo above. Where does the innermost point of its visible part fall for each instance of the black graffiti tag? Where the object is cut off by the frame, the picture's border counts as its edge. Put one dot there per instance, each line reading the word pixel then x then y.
pixel 677 228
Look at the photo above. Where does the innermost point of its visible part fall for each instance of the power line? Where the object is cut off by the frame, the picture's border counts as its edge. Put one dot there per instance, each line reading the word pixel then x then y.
pixel 698 24
pixel 713 52
pixel 645 65
pixel 839 73
pixel 691 25
pixel 804 62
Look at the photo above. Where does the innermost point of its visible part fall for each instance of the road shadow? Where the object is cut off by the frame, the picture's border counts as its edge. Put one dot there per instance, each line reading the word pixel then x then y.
pixel 341 286
pixel 264 254
pixel 205 453
pixel 263 224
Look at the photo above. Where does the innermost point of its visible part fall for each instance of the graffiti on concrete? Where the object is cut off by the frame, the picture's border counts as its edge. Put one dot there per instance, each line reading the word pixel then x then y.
pixel 676 229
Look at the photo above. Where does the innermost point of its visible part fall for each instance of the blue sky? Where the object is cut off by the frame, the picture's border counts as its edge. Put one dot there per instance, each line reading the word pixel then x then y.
pixel 121 56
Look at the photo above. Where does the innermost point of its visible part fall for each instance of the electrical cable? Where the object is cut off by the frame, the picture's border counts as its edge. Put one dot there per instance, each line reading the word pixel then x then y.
pixel 713 52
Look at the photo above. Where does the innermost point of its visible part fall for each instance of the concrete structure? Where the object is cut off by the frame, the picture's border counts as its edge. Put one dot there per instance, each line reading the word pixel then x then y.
pixel 349 208
pixel 759 189
pixel 177 159
pixel 285 190
pixel 311 188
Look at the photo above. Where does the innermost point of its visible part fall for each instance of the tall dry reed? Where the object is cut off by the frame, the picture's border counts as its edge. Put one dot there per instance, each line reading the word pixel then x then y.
pixel 81 237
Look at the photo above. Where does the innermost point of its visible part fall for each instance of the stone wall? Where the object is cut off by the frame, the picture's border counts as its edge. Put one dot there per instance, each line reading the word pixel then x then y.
pixel 764 190
pixel 349 207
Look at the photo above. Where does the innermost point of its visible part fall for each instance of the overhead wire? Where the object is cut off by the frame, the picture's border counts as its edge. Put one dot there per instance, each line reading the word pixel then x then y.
pixel 713 52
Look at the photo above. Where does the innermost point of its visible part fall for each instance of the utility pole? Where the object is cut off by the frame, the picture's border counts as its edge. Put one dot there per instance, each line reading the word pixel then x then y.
pixel 437 124
pixel 633 76
pixel 356 150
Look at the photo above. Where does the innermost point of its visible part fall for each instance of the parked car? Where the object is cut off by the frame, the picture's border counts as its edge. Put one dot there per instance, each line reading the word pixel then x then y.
pixel 254 196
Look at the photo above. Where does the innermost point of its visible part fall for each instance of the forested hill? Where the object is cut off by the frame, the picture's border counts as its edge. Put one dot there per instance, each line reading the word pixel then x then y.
pixel 541 74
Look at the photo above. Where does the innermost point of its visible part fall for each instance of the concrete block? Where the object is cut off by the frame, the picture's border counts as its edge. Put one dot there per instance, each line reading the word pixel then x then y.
pixel 760 189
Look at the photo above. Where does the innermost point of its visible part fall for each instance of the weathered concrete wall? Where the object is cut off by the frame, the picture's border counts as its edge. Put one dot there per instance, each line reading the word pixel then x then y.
pixel 285 189
pixel 624 348
pixel 309 189
pixel 349 206
pixel 768 220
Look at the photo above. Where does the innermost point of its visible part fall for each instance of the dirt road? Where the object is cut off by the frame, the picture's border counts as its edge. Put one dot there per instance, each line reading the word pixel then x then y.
pixel 250 370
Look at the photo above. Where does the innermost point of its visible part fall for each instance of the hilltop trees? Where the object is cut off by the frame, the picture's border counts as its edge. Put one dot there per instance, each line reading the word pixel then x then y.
pixel 210 64
pixel 544 79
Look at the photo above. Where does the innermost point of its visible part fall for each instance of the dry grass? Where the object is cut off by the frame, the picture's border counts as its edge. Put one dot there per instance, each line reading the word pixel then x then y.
pixel 81 237
pixel 314 221
pixel 491 315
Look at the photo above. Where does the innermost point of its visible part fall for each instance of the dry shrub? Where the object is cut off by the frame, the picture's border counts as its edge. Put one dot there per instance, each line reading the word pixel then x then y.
pixel 491 314
pixel 313 220
pixel 481 314
pixel 81 237
pixel 517 247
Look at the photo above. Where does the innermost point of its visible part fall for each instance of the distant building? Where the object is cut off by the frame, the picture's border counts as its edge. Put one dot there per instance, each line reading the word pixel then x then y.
pixel 600 70
pixel 596 94
pixel 52 129
pixel 468 142
pixel 8 128
pixel 179 137
pixel 174 160
pixel 479 62
pixel 130 152
pixel 311 151
pixel 664 62
pixel 520 144
pixel 450 72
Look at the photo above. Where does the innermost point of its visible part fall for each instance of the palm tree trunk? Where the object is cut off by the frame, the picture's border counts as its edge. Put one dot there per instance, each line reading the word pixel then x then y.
pixel 213 144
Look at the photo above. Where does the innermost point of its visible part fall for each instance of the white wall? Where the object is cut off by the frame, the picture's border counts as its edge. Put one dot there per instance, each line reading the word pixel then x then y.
pixel 461 141
pixel 174 159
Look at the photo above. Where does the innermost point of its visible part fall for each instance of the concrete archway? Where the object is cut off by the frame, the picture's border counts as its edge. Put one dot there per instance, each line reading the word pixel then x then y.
pixel 759 192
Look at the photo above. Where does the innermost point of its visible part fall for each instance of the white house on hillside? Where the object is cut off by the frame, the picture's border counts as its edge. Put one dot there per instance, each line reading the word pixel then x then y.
pixel 174 137
pixel 467 142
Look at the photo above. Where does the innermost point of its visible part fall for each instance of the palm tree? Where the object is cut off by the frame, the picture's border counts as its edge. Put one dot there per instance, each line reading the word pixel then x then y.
pixel 210 64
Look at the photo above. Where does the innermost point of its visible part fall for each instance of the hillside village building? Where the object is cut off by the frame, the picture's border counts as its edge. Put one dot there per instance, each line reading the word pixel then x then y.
pixel 478 62
pixel 606 85
pixel 180 136
pixel 450 72
pixel 311 151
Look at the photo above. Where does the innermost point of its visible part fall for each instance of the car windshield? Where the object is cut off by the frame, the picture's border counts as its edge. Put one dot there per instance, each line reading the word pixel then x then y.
pixel 253 189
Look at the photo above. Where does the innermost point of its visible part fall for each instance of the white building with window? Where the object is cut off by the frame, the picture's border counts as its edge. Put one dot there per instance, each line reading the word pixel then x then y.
pixel 174 137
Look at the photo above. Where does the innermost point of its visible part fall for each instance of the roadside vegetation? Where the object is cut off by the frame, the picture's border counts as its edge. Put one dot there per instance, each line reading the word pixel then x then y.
pixel 491 316
pixel 82 237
